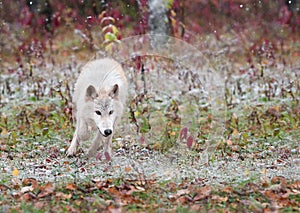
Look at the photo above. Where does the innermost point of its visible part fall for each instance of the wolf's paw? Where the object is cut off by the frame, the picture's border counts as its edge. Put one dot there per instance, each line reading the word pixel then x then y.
pixel 71 151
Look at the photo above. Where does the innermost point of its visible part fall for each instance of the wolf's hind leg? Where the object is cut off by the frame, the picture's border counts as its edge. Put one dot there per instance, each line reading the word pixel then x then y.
pixel 95 145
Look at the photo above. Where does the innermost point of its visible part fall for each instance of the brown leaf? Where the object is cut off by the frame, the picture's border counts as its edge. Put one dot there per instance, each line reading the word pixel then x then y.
pixel 31 182
pixel 184 199
pixel 113 209
pixel 227 189
pixel 179 193
pixel 46 190
pixel 271 195
pixel 219 199
pixel 74 209
pixel 128 169
pixel 16 183
pixel 27 189
pixel 295 185
pixel 203 193
pixel 235 148
pixel 132 188
pixel 229 142
pixel 40 204
pixel 71 186
pixel 267 209
pixel 3 188
pixel 114 191
pixel 196 208
pixel 63 196
pixel 171 186
pixel 279 179
pixel 182 192
pixel 28 196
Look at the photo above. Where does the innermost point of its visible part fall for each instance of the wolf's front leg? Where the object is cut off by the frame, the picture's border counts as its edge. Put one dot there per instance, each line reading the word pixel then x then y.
pixel 73 147
pixel 107 147
pixel 95 145
pixel 81 133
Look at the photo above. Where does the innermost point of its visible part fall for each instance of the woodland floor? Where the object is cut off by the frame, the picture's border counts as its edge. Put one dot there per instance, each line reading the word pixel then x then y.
pixel 166 155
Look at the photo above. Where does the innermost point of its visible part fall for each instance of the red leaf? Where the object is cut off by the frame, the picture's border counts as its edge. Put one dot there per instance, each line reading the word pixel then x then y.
pixel 99 156
pixel 183 133
pixel 107 156
pixel 138 62
pixel 142 139
pixel 190 141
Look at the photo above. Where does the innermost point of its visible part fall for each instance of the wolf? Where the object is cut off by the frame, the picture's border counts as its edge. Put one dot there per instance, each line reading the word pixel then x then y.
pixel 99 97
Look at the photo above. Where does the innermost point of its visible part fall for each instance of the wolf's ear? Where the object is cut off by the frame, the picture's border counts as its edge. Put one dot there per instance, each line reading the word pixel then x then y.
pixel 91 93
pixel 114 92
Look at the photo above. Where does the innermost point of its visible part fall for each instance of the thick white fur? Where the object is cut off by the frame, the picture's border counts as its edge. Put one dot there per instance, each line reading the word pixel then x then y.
pixel 103 75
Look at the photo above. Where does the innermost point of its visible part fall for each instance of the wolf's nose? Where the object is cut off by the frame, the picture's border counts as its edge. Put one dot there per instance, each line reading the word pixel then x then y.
pixel 107 132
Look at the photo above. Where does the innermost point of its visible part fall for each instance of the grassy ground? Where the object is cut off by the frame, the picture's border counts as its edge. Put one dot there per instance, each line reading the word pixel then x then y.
pixel 166 153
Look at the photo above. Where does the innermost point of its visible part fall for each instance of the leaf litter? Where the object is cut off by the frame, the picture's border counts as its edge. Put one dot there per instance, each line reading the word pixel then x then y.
pixel 161 156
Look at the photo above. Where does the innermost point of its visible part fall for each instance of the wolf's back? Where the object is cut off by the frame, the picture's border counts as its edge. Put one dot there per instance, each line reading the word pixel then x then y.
pixel 102 74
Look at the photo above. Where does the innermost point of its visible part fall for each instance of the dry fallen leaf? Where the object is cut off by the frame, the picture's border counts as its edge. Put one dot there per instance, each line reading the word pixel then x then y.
pixel 279 180
pixel 27 189
pixel 16 183
pixel 182 192
pixel 71 186
pixel 63 196
pixel 203 193
pixel 127 169
pixel 28 196
pixel 227 189
pixel 229 142
pixel 219 199
pixel 46 190
pixel 31 182
pixel 295 185
pixel 15 172
pixel 271 195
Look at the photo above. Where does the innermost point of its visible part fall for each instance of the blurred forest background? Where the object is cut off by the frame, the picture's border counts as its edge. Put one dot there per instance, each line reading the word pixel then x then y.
pixel 198 16
pixel 39 21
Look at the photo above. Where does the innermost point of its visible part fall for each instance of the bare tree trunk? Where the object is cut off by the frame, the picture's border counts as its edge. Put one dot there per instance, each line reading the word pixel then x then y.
pixel 158 21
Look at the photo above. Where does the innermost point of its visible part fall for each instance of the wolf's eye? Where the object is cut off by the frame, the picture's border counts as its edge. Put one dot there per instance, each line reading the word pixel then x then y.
pixel 98 112
pixel 111 112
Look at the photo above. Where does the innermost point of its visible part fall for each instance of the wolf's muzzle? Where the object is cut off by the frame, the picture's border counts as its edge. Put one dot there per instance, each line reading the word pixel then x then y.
pixel 107 132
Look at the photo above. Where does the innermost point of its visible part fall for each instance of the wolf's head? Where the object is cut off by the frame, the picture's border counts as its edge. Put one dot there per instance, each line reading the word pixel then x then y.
pixel 107 107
